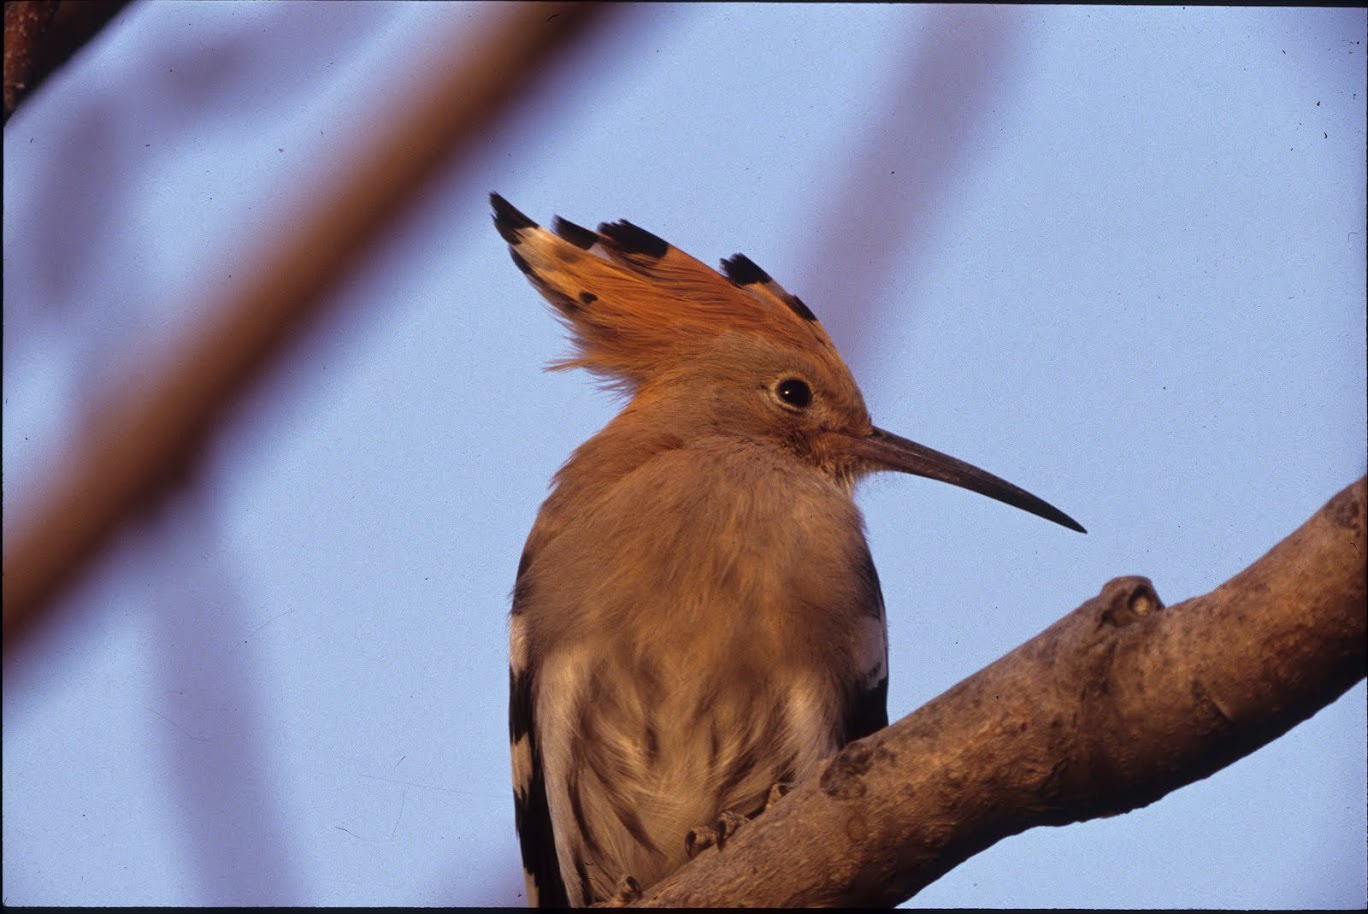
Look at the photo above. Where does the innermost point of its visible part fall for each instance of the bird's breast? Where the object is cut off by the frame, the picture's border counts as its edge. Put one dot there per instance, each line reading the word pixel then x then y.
pixel 710 575
pixel 701 620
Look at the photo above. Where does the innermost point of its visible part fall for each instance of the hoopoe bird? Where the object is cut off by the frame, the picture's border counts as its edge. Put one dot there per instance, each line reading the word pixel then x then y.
pixel 696 616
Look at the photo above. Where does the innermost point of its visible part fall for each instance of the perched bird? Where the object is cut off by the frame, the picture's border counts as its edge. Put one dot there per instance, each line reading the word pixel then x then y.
pixel 696 616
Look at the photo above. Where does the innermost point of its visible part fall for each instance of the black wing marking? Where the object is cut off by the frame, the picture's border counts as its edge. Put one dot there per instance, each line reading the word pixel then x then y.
pixel 531 811
pixel 866 711
pixel 865 708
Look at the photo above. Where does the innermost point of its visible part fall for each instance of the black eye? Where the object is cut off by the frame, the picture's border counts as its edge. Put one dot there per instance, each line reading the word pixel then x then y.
pixel 794 392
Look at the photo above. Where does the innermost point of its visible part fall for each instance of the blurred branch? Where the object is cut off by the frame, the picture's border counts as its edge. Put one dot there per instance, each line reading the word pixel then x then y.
pixel 42 35
pixel 880 212
pixel 1109 709
pixel 142 445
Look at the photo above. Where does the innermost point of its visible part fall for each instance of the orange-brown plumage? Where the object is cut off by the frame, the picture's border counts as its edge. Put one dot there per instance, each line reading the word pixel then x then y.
pixel 636 304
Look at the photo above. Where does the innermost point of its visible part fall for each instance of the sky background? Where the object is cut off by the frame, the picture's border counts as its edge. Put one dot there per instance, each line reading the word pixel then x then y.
pixel 1113 255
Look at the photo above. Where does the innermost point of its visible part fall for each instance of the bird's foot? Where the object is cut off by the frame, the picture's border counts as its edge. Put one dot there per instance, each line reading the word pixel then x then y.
pixel 716 834
pixel 727 824
pixel 628 893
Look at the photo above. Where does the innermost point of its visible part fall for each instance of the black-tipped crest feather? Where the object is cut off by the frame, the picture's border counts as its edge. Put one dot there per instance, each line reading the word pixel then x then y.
pixel 633 239
pixel 508 219
pixel 577 235
pixel 743 271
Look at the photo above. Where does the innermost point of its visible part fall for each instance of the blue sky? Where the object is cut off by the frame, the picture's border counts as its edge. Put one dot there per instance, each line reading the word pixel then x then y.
pixel 1115 255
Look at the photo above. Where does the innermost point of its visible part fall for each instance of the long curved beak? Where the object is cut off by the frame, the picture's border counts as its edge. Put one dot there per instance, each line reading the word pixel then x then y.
pixel 887 451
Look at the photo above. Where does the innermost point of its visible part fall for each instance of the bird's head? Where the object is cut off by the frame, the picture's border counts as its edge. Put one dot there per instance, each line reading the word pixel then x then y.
pixel 727 353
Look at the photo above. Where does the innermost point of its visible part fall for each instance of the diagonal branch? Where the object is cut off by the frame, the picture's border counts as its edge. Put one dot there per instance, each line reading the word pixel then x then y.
pixel 1109 709
pixel 144 441
pixel 42 35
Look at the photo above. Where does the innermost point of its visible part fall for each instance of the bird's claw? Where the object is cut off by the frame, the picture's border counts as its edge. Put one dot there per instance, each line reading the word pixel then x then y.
pixel 776 793
pixel 628 893
pixel 705 836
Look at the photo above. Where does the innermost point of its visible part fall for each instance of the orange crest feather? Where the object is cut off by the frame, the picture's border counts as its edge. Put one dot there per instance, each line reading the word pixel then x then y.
pixel 636 304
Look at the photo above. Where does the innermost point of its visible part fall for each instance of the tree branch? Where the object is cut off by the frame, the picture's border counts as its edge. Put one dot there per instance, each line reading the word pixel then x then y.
pixel 144 442
pixel 42 35
pixel 1109 709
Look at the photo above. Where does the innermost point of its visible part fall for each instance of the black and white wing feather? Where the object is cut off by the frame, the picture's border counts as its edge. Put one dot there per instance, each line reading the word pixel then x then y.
pixel 541 870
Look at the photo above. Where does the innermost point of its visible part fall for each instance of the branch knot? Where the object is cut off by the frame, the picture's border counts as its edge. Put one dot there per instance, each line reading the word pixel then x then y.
pixel 1126 600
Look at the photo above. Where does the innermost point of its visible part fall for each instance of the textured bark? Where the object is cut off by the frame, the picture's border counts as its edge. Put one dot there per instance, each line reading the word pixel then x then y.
pixel 1109 709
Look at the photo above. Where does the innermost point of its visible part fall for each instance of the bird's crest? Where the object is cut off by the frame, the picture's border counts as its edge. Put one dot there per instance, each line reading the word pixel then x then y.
pixel 636 304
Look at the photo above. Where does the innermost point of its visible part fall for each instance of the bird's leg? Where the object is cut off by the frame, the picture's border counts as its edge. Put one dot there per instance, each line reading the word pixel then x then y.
pixel 628 893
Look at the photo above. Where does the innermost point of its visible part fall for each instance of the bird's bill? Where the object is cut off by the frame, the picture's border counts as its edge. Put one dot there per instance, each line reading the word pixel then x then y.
pixel 887 451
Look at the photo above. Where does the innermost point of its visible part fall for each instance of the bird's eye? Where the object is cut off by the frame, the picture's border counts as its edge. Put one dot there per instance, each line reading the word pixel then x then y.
pixel 795 392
